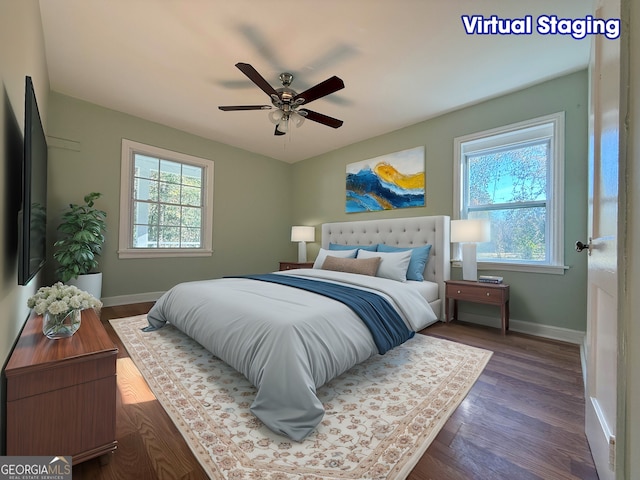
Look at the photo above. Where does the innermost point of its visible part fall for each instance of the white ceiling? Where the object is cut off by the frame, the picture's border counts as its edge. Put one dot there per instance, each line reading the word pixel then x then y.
pixel 402 61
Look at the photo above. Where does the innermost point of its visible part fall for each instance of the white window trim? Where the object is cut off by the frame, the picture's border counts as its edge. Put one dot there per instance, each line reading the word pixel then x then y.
pixel 125 250
pixel 555 203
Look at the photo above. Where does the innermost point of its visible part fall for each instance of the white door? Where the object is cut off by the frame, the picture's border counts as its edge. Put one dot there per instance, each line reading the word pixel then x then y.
pixel 602 282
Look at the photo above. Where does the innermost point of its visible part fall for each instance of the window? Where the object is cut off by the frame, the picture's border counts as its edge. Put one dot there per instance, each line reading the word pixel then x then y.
pixel 514 177
pixel 166 203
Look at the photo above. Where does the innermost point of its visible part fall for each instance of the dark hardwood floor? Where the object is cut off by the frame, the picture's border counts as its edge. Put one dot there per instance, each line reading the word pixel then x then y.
pixel 523 419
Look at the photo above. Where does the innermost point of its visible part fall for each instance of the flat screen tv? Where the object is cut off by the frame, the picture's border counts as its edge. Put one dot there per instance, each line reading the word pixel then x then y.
pixel 33 221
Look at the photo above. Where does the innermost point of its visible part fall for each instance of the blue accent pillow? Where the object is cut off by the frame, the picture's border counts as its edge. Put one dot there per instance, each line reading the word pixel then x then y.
pixel 337 246
pixel 419 258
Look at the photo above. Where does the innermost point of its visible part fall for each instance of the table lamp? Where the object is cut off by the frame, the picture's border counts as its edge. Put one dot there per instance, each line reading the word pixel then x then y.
pixel 302 234
pixel 468 233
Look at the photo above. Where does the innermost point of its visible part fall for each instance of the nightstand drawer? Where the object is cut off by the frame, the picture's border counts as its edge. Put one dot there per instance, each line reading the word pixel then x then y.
pixel 479 294
pixel 294 265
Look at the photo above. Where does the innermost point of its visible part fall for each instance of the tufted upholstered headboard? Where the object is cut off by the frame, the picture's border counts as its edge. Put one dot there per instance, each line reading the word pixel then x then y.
pixel 401 232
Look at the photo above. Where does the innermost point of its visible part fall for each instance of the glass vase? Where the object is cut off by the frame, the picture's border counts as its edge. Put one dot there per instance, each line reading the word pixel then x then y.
pixel 61 325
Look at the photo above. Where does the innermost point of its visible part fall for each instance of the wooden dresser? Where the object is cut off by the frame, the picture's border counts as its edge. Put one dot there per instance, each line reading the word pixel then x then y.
pixel 61 394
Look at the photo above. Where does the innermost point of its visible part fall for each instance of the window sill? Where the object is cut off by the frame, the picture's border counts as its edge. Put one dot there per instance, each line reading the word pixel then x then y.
pixel 163 253
pixel 517 267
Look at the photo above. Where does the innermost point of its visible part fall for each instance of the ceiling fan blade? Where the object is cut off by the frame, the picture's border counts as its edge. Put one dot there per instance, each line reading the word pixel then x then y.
pixel 278 132
pixel 256 78
pixel 230 108
pixel 320 118
pixel 320 90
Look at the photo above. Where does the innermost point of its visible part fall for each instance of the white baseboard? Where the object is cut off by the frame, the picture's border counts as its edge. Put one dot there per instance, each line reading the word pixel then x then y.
pixel 537 329
pixel 128 299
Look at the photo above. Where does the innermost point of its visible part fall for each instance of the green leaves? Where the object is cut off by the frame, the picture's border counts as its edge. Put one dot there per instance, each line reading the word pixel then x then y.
pixel 82 230
pixel 89 198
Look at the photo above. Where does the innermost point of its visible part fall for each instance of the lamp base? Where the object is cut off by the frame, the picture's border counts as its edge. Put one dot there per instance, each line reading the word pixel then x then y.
pixel 469 262
pixel 302 252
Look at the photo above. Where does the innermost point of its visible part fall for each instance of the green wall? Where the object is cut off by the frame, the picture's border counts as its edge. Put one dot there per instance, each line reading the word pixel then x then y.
pixel 21 54
pixel 252 196
pixel 546 299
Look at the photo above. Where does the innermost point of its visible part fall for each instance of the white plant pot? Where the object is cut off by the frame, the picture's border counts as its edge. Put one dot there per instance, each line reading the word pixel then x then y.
pixel 89 282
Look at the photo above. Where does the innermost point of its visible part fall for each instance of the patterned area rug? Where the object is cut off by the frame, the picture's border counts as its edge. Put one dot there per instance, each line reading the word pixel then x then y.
pixel 380 416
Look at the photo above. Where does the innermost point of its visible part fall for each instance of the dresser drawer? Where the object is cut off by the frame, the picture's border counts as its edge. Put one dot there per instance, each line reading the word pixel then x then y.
pixel 61 375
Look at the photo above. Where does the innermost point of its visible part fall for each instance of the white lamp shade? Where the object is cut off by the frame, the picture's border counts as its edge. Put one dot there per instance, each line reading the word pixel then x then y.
pixel 303 234
pixel 470 231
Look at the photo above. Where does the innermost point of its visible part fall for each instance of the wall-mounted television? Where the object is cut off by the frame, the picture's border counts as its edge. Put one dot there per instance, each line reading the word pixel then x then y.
pixel 33 218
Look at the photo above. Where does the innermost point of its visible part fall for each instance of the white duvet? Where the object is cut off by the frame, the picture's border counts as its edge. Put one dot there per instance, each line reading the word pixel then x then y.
pixel 287 342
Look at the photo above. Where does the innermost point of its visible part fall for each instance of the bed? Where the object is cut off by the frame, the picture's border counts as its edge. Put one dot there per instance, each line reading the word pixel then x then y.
pixel 291 332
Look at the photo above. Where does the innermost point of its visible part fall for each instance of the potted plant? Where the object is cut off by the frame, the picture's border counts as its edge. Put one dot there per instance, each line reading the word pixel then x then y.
pixel 82 228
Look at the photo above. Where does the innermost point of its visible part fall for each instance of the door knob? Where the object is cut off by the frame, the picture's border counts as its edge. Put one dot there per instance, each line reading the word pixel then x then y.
pixel 581 246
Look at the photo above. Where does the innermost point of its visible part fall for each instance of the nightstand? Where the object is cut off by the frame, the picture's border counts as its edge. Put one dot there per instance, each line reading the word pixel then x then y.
pixel 294 265
pixel 478 292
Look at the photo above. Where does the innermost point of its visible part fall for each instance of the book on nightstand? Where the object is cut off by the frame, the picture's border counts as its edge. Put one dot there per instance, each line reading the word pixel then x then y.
pixel 489 279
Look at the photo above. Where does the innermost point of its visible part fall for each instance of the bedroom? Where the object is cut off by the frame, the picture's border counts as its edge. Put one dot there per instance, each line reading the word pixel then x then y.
pixel 282 188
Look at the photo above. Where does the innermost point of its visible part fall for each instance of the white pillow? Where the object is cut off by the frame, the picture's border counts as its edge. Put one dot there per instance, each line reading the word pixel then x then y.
pixel 393 265
pixel 322 254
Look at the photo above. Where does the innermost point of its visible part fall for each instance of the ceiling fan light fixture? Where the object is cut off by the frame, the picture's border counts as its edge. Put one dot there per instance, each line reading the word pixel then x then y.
pixel 298 120
pixel 275 116
pixel 283 126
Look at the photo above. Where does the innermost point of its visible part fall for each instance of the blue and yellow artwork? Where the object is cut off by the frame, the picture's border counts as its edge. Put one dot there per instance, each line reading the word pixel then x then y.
pixel 391 181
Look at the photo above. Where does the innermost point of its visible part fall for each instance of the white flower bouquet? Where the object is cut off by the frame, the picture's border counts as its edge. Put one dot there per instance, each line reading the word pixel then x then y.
pixel 60 298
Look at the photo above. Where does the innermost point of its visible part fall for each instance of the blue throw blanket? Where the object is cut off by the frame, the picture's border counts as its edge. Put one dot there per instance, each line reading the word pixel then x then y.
pixel 386 326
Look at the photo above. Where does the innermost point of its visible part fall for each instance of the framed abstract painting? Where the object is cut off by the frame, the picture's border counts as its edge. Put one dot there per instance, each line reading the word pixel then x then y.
pixel 396 180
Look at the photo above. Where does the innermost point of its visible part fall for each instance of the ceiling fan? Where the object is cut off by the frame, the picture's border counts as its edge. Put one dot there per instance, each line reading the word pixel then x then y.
pixel 286 102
